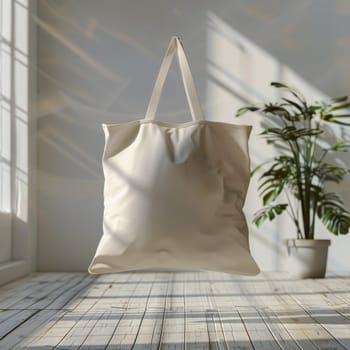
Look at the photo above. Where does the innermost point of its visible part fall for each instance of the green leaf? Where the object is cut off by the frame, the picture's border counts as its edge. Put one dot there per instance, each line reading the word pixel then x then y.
pixel 279 85
pixel 277 110
pixel 243 110
pixel 341 115
pixel 290 133
pixel 342 106
pixel 327 117
pixel 328 172
pixel 293 103
pixel 293 91
pixel 340 146
pixel 333 118
pixel 339 99
pixel 269 212
pixel 340 123
pixel 332 214
pixel 258 167
pixel 315 108
pixel 270 196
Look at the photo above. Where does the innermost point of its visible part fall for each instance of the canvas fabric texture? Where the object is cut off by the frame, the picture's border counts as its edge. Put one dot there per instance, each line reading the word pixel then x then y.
pixel 174 192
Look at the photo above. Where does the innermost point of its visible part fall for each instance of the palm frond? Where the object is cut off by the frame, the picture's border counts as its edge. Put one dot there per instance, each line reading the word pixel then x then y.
pixel 269 212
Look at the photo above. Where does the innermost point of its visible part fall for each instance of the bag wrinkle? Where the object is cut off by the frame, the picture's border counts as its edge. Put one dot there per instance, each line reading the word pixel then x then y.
pixel 174 193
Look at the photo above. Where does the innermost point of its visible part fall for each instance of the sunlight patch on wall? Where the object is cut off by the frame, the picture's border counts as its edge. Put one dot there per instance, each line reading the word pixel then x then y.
pixel 239 71
pixel 21 108
pixel 5 107
pixel 14 108
pixel 5 129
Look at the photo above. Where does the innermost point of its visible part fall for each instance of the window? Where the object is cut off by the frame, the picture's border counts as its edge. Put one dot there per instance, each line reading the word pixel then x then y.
pixel 13 120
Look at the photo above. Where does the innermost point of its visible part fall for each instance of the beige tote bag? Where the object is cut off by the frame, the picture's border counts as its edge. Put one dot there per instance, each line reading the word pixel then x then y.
pixel 174 192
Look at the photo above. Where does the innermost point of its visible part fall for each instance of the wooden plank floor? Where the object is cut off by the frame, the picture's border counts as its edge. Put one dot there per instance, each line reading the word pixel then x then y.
pixel 174 310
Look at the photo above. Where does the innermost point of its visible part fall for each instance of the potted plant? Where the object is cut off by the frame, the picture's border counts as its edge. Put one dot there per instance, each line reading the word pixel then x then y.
pixel 294 180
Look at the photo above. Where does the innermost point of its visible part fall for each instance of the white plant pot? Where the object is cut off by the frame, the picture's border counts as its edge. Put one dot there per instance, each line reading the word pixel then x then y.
pixel 307 258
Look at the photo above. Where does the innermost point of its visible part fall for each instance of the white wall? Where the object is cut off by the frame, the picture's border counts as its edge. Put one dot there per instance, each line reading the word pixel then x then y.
pixel 98 61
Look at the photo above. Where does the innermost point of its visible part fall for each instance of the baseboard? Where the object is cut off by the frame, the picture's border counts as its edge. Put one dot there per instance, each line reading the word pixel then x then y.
pixel 12 270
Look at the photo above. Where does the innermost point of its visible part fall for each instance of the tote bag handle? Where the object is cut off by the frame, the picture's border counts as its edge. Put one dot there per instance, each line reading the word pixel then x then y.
pixel 191 93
